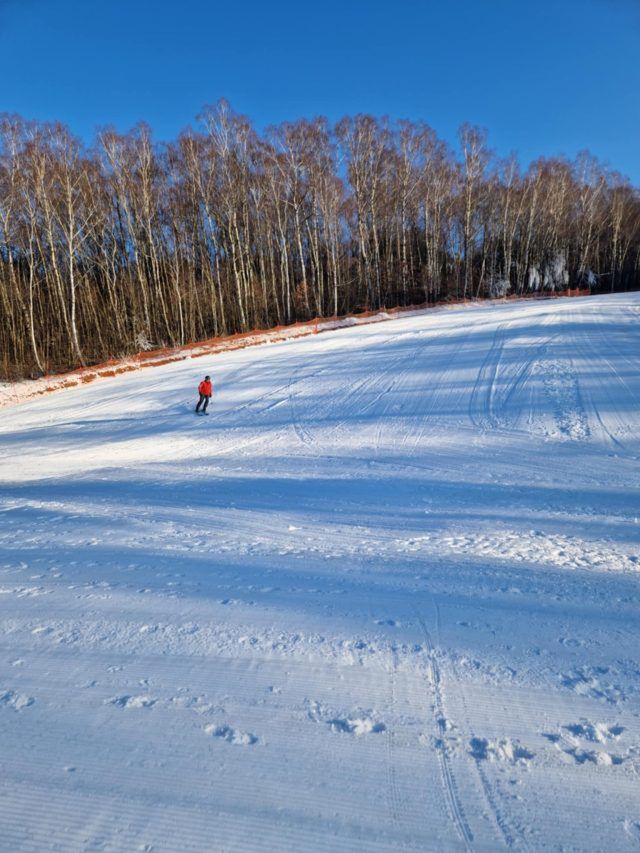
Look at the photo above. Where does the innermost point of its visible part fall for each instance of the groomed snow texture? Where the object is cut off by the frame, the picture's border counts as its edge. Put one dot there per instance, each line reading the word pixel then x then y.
pixel 384 597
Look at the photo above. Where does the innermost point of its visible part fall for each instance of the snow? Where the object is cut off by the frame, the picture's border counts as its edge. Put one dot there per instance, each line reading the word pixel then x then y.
pixel 17 392
pixel 384 597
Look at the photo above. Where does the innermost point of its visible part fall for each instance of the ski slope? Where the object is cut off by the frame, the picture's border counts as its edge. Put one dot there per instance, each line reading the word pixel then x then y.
pixel 384 597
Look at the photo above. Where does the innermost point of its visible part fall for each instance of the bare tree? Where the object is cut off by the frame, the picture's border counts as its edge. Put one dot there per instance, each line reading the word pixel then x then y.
pixel 130 244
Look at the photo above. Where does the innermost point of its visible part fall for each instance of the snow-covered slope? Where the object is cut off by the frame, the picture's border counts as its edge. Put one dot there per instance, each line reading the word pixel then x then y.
pixel 384 597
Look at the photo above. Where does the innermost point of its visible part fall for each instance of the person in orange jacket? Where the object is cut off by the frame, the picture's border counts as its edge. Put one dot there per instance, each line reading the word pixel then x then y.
pixel 205 389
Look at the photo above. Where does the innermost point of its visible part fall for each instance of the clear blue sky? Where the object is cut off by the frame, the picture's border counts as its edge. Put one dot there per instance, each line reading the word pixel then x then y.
pixel 544 77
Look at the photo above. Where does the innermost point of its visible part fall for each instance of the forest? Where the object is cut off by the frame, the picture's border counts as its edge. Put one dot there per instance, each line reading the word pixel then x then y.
pixel 128 244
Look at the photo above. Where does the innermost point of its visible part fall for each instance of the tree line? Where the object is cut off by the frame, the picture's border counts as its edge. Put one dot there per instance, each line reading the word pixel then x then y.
pixel 128 245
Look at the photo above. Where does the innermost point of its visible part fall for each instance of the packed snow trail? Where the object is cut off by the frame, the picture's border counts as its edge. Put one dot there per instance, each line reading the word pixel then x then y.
pixel 385 597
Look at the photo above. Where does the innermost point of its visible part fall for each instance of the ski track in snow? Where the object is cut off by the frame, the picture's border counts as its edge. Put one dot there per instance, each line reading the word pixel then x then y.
pixel 385 597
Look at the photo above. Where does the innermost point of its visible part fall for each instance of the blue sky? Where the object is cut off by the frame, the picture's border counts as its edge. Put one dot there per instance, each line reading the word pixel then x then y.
pixel 543 77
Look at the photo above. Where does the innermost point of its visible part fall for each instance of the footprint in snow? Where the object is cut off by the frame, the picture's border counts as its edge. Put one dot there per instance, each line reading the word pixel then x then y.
pixel 594 756
pixel 504 749
pixel 594 732
pixel 131 701
pixel 632 828
pixel 358 722
pixel 231 735
pixel 572 737
pixel 588 681
pixel 571 642
pixel 356 725
pixel 17 701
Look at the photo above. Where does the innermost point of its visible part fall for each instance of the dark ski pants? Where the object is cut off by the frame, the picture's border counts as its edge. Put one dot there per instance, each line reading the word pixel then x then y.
pixel 203 399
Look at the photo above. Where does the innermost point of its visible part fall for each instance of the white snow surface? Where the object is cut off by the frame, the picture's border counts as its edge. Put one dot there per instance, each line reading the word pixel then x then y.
pixel 384 597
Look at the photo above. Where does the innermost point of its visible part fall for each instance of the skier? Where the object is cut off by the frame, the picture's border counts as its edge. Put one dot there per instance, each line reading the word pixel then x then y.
pixel 205 389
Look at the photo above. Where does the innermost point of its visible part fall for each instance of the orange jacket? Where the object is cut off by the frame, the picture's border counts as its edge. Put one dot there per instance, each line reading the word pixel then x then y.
pixel 205 387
